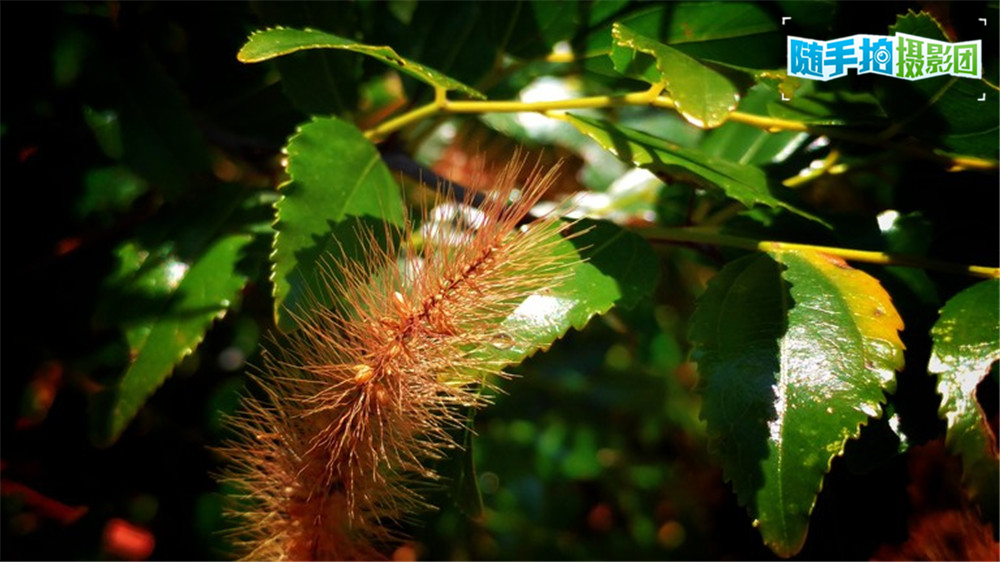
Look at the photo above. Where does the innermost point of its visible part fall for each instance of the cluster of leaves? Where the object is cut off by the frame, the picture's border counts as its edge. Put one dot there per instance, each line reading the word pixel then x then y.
pixel 796 350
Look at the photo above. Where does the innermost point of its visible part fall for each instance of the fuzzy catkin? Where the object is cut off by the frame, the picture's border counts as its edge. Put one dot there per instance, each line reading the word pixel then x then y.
pixel 359 399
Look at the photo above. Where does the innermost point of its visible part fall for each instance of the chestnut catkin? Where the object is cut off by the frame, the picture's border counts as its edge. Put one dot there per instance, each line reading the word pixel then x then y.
pixel 360 398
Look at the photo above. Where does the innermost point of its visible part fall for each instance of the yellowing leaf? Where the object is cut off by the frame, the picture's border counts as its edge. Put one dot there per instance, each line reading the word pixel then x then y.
pixel 789 375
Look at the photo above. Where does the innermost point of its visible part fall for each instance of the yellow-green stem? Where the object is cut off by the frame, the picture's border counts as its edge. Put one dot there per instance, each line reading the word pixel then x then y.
pixel 702 236
pixel 442 105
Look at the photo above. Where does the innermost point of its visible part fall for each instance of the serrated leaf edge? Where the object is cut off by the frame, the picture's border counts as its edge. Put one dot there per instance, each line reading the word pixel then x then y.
pixel 416 69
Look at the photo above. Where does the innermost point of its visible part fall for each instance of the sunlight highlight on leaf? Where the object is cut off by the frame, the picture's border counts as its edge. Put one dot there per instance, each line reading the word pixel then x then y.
pixel 966 343
pixel 790 373
pixel 270 43
pixel 703 96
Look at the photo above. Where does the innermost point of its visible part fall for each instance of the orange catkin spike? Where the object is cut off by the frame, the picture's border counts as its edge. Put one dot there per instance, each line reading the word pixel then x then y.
pixel 358 399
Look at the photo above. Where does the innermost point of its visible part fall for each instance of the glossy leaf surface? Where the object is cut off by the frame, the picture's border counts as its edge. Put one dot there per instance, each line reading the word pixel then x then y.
pixel 789 374
pixel 703 96
pixel 741 143
pixel 271 43
pixel 317 81
pixel 620 268
pixel 966 343
pixel 184 297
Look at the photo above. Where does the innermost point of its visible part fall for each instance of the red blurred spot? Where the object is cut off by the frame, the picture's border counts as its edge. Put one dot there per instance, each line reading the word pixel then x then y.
pixel 125 540
pixel 600 518
pixel 670 534
pixel 67 245
pixel 405 553
pixel 26 152
pixel 41 504
pixel 40 394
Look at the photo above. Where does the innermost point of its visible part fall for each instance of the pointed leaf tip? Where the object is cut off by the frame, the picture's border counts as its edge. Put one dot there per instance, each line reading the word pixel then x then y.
pixel 279 41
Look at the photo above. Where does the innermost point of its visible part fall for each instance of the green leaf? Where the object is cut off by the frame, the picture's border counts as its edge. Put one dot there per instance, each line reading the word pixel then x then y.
pixel 703 96
pixel 910 234
pixel 812 103
pixel 184 297
pixel 543 24
pixel 944 110
pixel 739 33
pixel 460 469
pixel 789 375
pixel 317 82
pixel 183 268
pixel 107 130
pixel 811 19
pixel 337 180
pixel 271 43
pixel 966 343
pixel 109 190
pixel 747 184
pixel 457 37
pixel 739 142
pixel 463 39
pixel 620 269
pixel 138 115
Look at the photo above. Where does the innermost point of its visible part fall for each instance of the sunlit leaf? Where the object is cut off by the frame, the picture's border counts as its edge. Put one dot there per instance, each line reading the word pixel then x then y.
pixel 620 269
pixel 183 299
pixel 966 343
pixel 747 184
pixel 703 96
pixel 739 142
pixel 789 374
pixel 317 81
pixel 271 43
pixel 338 179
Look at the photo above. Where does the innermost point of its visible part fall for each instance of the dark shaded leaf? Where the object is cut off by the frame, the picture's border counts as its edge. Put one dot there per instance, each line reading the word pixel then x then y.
pixel 945 110
pixel 743 34
pixel 317 82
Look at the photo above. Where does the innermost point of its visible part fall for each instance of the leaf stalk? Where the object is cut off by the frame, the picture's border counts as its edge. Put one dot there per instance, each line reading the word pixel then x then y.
pixel 704 236
pixel 652 97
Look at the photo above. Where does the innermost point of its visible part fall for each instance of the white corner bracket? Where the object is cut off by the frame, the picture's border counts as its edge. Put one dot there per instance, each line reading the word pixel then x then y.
pixel 980 19
pixel 786 18
pixel 783 98
pixel 982 98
